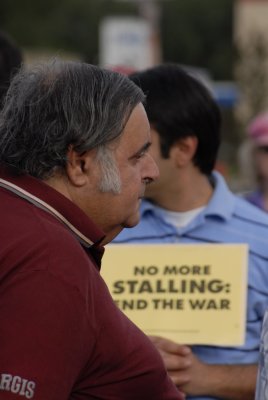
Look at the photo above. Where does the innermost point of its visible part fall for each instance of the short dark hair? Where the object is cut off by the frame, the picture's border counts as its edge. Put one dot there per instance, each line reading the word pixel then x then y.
pixel 57 104
pixel 179 105
pixel 10 62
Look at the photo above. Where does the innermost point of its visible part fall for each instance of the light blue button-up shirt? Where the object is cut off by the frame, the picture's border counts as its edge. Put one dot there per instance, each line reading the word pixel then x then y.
pixel 227 218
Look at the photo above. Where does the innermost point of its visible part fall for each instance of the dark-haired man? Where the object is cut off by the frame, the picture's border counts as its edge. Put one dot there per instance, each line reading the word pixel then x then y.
pixel 191 203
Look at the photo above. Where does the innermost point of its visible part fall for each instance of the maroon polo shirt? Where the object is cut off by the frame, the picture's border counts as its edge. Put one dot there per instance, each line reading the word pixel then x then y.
pixel 61 335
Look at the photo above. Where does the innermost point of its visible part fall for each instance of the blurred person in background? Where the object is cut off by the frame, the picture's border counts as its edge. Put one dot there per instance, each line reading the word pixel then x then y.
pixel 258 136
pixel 74 159
pixel 10 61
pixel 262 379
pixel 191 203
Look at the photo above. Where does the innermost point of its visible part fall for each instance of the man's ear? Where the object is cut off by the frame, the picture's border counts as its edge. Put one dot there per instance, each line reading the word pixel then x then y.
pixel 78 166
pixel 183 151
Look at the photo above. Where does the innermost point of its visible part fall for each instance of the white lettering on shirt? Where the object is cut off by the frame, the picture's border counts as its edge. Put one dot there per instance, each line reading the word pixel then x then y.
pixel 16 384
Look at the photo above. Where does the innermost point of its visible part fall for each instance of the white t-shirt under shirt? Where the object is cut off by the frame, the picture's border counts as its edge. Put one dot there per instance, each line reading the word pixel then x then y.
pixel 179 219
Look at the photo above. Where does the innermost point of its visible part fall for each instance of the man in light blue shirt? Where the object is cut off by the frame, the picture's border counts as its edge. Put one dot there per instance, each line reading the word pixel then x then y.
pixel 190 203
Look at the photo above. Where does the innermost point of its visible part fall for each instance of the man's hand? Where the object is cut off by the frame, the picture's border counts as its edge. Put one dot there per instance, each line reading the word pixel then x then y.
pixel 184 368
pixel 193 377
pixel 177 359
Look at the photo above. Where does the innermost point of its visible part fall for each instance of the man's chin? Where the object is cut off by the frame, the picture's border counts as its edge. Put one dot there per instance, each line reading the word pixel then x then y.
pixel 132 222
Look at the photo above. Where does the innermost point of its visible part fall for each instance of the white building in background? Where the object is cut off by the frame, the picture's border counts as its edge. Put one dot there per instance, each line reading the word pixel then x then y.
pixel 251 39
pixel 250 16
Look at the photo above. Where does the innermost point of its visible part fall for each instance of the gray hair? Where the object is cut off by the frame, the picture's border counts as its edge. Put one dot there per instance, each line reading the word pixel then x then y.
pixel 52 106
pixel 110 179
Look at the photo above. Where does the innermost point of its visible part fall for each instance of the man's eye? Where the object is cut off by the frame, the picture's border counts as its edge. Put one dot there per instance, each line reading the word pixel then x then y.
pixel 141 154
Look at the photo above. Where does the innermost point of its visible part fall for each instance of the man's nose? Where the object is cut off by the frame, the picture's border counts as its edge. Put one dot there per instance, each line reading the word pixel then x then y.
pixel 153 171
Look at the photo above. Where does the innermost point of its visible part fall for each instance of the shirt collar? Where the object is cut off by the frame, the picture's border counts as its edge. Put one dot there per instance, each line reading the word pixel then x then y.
pixel 221 204
pixel 44 196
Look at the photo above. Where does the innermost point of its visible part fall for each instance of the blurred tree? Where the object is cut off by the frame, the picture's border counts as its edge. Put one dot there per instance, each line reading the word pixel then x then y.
pixel 69 25
pixel 194 32
pixel 199 33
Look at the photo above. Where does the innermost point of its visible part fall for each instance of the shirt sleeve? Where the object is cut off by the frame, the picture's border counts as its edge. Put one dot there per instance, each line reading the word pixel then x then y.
pixel 43 324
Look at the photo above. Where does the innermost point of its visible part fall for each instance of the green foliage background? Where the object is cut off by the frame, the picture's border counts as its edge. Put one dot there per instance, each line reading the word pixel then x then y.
pixel 194 32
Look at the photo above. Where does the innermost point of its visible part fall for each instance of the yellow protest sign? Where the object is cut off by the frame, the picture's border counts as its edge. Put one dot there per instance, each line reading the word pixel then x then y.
pixel 193 294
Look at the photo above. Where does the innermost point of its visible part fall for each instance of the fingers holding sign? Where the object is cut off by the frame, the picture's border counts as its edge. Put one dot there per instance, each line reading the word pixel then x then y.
pixel 183 367
pixel 177 359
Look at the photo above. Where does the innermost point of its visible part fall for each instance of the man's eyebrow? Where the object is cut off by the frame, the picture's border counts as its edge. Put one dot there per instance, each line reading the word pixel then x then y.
pixel 143 149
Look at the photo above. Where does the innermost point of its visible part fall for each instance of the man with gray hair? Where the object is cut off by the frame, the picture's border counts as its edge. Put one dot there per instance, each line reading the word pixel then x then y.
pixel 74 164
